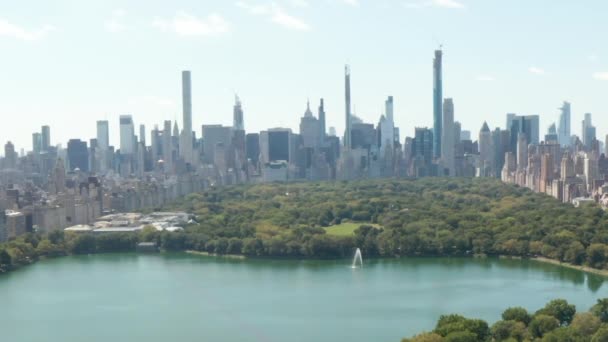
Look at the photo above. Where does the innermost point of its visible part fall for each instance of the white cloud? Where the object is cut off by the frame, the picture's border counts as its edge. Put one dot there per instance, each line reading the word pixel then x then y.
pixel 288 21
pixel 276 14
pixel 536 70
pixel 185 24
pixel 485 78
pixel 602 76
pixel 299 3
pixel 115 23
pixel 18 32
pixel 449 4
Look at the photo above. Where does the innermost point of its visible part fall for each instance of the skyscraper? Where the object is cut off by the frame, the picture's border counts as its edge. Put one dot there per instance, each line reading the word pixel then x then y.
pixel 103 134
pixel 486 152
pixel 127 135
pixel 437 102
pixel 347 131
pixel 563 132
pixel 588 132
pixel 46 138
pixel 448 141
pixel 322 120
pixel 142 134
pixel 186 141
pixel 36 143
pixel 78 155
pixel 237 117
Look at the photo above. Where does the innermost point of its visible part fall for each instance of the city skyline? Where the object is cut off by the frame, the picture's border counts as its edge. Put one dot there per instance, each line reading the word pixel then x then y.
pixel 84 88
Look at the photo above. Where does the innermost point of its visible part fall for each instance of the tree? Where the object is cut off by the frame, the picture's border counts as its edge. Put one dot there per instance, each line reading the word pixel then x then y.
pixel 424 337
pixel 462 336
pixel 518 314
pixel 5 258
pixel 601 335
pixel 563 334
pixel 560 309
pixel 503 330
pixel 586 323
pixel 542 324
pixel 601 309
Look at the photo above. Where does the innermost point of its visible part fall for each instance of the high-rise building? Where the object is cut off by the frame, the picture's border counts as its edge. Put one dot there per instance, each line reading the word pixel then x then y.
pixel 564 125
pixel 522 151
pixel 36 143
pixel 78 155
pixel 10 156
pixel 213 136
pixel 546 171
pixel 347 130
pixel 486 152
pixel 46 138
pixel 309 129
pixel 103 134
pixel 142 134
pixel 588 132
pixel 527 124
pixel 276 145
pixel 552 136
pixel 253 147
pixel 167 147
pixel 448 140
pixel 387 127
pixel 185 148
pixel 322 128
pixel 437 102
pixel 237 115
pixel 422 152
pixel 127 135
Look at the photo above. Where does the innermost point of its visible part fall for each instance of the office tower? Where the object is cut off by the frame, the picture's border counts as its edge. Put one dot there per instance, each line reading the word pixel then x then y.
pixel 167 147
pixel 389 109
pixel 347 131
pixel 309 129
pixel 363 136
pixel 564 124
pixel 501 140
pixel 465 135
pixel 253 147
pixel 437 102
pixel 10 156
pixel 127 135
pixel 546 171
pixel 448 140
pixel 46 138
pixel 276 145
pixel 322 120
pixel 486 151
pixel 522 151
pixel 215 135
pixel 588 132
pixel 552 136
pixel 527 124
pixel 59 176
pixel 103 134
pixel 591 170
pixel 387 127
pixel 78 155
pixel 566 167
pixel 510 118
pixel 186 141
pixel 237 117
pixel 422 152
pixel 142 134
pixel 36 143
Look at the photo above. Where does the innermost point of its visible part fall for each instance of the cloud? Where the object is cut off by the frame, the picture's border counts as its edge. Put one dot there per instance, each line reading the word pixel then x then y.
pixel 449 4
pixel 18 32
pixel 485 78
pixel 299 3
pixel 276 14
pixel 185 24
pixel 115 24
pixel 281 18
pixel 536 70
pixel 601 76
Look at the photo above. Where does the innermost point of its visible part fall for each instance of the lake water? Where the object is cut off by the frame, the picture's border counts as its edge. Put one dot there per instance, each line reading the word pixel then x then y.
pixel 179 297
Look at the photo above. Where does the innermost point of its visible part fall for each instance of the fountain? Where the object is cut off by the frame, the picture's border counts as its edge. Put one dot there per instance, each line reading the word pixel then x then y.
pixel 357 257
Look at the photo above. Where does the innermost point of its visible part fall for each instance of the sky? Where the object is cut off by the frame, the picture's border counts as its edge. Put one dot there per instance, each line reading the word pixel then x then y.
pixel 68 63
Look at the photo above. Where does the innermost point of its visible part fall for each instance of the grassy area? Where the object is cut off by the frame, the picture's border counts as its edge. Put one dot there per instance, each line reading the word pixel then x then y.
pixel 346 228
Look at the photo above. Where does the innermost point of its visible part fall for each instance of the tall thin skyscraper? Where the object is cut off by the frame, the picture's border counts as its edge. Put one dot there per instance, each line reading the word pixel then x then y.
pixel 389 109
pixel 127 135
pixel 437 102
pixel 186 141
pixel 237 117
pixel 322 120
pixel 448 140
pixel 563 130
pixel 46 138
pixel 347 142
pixel 142 134
pixel 103 145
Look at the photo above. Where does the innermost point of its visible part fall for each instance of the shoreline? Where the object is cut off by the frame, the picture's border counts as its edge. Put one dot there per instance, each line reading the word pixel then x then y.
pixel 227 256
pixel 586 269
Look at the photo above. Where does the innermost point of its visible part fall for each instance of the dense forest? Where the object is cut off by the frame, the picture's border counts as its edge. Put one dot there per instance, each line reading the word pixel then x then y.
pixel 558 321
pixel 393 218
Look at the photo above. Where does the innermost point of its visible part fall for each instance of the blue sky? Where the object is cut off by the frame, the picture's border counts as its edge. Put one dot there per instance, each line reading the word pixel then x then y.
pixel 68 63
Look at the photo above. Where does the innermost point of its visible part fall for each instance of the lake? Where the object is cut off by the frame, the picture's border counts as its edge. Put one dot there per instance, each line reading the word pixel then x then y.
pixel 181 297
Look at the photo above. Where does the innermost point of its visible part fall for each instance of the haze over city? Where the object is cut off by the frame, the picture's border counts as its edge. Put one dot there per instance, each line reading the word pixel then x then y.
pixel 68 64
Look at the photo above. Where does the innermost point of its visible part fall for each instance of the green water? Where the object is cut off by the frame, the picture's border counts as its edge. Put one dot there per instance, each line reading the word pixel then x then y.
pixel 190 298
